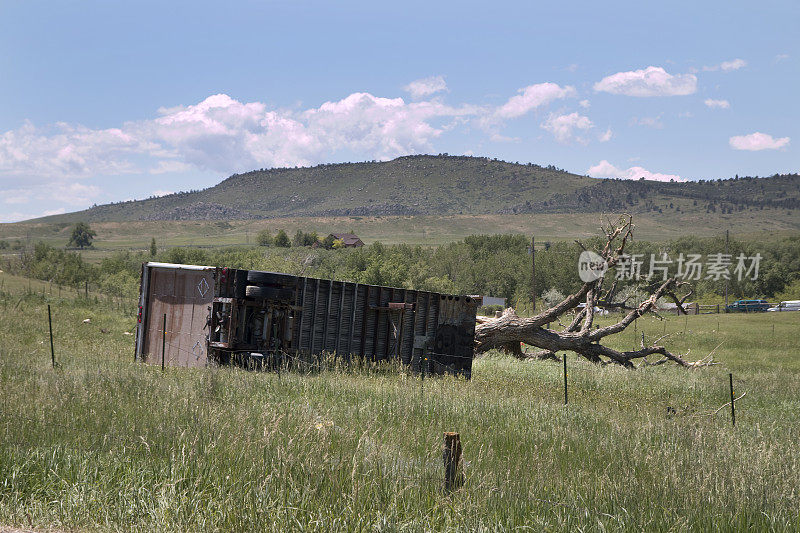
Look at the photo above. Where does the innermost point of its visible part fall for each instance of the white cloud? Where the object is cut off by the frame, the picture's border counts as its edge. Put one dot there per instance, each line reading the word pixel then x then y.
pixel 563 126
pixel 606 136
pixel 225 135
pixel 531 97
pixel 222 134
pixel 651 81
pixel 604 169
pixel 717 104
pixel 426 86
pixel 781 57
pixel 727 66
pixel 757 141
pixel 68 151
pixel 736 64
pixel 650 122
pixel 162 192
pixel 584 104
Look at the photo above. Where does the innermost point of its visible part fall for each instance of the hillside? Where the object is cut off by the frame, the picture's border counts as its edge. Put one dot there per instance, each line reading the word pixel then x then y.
pixel 443 185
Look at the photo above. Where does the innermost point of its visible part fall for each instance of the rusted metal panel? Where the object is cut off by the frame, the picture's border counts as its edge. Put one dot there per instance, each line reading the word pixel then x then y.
pixel 184 295
pixel 219 315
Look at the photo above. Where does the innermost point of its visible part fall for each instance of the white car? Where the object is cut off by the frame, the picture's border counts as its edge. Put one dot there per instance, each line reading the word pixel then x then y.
pixel 788 305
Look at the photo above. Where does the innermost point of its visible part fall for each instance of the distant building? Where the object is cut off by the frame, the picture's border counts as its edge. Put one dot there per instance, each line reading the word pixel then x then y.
pixel 349 240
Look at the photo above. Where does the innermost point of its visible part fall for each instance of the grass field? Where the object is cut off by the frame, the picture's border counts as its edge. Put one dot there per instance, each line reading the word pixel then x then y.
pixel 103 443
pixel 425 230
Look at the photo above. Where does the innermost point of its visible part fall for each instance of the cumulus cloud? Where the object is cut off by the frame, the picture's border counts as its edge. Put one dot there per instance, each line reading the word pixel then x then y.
pixel 606 136
pixel 426 86
pixel 757 141
pixel 604 169
pixel 651 81
pixel 66 150
pixel 224 135
pixel 727 66
pixel 717 104
pixel 532 97
pixel 564 127
pixel 384 127
pixel 584 104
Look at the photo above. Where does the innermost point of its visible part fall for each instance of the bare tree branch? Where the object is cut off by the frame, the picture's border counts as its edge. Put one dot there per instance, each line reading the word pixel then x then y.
pixel 509 330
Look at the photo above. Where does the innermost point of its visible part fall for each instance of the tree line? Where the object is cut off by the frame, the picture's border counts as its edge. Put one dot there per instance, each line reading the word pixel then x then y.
pixel 496 265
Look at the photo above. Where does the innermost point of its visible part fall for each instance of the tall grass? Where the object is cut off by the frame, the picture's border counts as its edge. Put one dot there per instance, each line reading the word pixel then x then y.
pixel 103 443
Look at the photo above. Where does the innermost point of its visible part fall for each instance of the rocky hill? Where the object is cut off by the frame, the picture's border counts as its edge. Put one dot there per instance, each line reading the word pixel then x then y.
pixel 443 185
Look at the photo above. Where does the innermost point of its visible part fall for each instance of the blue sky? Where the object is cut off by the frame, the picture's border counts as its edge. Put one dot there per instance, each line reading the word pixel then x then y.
pixel 107 101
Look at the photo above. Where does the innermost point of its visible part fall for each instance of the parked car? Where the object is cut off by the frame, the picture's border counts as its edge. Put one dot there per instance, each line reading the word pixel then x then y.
pixel 788 305
pixel 748 306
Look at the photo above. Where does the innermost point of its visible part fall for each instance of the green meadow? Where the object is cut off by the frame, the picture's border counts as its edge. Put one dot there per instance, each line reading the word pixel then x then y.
pixel 104 443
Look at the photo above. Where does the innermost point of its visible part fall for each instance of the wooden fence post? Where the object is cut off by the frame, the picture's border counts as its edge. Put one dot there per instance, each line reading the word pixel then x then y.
pixel 565 378
pixel 163 342
pixel 52 349
pixel 733 408
pixel 451 453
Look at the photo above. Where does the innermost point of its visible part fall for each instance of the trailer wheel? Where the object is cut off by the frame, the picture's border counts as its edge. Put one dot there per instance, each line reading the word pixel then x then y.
pixel 240 284
pixel 269 293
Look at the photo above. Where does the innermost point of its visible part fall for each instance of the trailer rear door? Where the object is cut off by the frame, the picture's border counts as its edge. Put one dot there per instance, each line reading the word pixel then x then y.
pixel 184 296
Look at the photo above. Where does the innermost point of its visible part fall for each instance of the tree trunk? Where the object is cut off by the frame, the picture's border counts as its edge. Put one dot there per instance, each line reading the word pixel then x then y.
pixel 507 331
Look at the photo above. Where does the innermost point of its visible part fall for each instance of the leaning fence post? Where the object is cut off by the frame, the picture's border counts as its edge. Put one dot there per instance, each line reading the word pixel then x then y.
pixel 733 408
pixel 52 349
pixel 451 453
pixel 163 341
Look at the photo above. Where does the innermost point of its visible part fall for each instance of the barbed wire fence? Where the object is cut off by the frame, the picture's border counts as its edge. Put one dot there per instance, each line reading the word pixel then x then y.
pixel 103 442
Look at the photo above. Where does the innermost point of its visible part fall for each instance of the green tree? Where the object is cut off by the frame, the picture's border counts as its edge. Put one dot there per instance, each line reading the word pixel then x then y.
pixel 82 236
pixel 302 238
pixel 328 242
pixel 282 240
pixel 264 238
pixel 153 247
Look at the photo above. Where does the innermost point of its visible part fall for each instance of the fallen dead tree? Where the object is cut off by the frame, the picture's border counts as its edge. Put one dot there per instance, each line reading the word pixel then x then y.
pixel 580 336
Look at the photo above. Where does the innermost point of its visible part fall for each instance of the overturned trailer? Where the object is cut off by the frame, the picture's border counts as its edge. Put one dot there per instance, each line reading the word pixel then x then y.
pixel 196 316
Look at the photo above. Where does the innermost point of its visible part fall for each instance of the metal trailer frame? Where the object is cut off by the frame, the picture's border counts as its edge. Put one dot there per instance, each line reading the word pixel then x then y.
pixel 223 316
